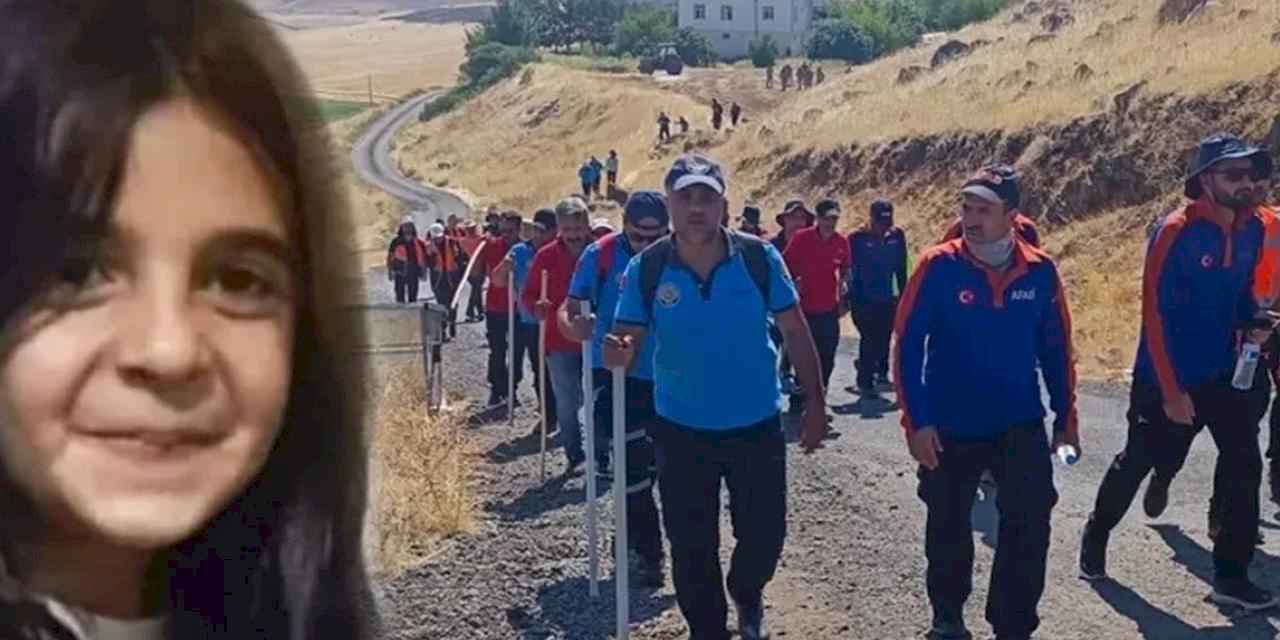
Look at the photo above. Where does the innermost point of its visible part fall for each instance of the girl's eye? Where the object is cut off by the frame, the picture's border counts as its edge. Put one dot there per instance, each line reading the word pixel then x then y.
pixel 248 290
pixel 80 281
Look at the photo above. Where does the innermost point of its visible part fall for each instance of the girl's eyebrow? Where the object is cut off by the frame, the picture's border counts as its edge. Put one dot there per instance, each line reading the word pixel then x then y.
pixel 259 240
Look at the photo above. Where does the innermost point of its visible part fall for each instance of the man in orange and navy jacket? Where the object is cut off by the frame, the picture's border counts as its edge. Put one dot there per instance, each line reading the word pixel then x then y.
pixel 981 317
pixel 1022 225
pixel 407 261
pixel 1197 306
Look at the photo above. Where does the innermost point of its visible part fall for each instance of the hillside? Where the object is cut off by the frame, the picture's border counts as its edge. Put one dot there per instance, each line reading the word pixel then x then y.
pixel 1099 103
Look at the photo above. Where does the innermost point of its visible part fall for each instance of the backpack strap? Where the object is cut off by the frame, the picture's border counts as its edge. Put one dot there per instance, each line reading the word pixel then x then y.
pixel 604 262
pixel 652 262
pixel 757 261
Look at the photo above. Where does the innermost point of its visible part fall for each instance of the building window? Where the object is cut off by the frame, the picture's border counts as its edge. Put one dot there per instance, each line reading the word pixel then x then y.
pixel 766 12
pixel 724 36
pixel 699 12
pixel 726 12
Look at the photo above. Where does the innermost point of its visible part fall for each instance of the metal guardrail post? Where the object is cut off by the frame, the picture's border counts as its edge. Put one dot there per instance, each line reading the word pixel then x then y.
pixel 434 318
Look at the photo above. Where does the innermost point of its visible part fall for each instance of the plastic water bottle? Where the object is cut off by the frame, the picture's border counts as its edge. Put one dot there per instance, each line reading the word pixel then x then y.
pixel 1246 366
pixel 1067 454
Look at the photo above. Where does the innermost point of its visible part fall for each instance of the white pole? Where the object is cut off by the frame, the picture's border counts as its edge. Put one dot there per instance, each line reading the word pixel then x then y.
pixel 511 348
pixel 589 427
pixel 542 375
pixel 620 501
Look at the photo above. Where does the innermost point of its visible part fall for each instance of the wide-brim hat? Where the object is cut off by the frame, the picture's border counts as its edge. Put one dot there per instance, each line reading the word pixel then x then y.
pixel 1219 148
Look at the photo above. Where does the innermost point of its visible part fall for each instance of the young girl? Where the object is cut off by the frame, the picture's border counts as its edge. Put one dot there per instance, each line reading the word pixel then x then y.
pixel 180 444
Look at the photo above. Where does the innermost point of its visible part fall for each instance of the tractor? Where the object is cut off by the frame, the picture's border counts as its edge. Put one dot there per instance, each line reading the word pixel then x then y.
pixel 664 57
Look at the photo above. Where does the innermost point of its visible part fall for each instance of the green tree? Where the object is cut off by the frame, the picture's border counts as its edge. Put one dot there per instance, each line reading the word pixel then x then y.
pixel 694 48
pixel 763 51
pixel 515 23
pixel 890 24
pixel 489 63
pixel 842 40
pixel 641 29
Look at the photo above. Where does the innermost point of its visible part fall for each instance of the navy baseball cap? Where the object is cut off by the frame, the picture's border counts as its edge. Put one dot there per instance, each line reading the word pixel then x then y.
pixel 751 214
pixel 546 218
pixel 995 183
pixel 644 206
pixel 1220 147
pixel 882 210
pixel 695 168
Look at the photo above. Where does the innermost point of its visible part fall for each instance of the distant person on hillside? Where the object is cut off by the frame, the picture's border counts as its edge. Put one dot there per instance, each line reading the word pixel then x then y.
pixel 664 127
pixel 564 357
pixel 735 113
pixel 703 296
pixel 717 114
pixel 611 166
pixel 406 261
pixel 986 314
pixel 750 221
pixel 1198 310
pixel 518 261
pixel 597 280
pixel 818 258
pixel 587 176
pixel 876 280
pixel 820 76
pixel 768 76
pixel 784 76
pixel 597 169
pixel 684 125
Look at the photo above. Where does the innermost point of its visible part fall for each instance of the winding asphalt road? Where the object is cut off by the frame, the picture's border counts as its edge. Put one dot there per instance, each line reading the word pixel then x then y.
pixel 371 156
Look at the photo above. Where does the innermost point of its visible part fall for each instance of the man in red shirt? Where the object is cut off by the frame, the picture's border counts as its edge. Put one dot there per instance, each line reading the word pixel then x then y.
pixel 497 322
pixel 818 258
pixel 558 260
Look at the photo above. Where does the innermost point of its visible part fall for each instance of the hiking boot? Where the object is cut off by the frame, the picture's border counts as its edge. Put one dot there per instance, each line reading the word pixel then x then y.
pixel 496 399
pixel 1093 553
pixel 751 623
pixel 948 625
pixel 868 392
pixel 575 462
pixel 1240 592
pixel 1156 497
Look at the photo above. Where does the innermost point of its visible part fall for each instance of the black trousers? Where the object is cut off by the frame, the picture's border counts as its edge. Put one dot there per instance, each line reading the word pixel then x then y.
pixel 445 286
pixel 752 462
pixel 643 532
pixel 1021 463
pixel 825 328
pixel 875 326
pixel 1158 445
pixel 527 348
pixel 475 306
pixel 496 327
pixel 406 289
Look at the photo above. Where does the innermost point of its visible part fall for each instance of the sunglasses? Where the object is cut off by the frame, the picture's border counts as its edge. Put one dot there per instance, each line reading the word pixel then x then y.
pixel 636 238
pixel 1239 175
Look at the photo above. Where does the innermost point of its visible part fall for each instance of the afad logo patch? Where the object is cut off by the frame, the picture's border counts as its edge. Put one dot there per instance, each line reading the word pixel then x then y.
pixel 967 297
pixel 1206 261
pixel 668 295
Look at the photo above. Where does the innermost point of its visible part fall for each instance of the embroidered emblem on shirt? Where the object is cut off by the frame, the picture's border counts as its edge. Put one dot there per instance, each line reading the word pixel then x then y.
pixel 668 295
pixel 1206 261
pixel 966 297
pixel 1023 294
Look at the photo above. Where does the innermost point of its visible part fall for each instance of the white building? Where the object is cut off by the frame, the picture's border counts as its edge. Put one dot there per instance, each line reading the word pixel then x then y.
pixel 731 25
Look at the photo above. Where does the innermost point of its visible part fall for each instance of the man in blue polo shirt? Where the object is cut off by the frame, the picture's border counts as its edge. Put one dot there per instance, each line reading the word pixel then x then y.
pixel 596 280
pixel 703 296
pixel 518 260
pixel 984 316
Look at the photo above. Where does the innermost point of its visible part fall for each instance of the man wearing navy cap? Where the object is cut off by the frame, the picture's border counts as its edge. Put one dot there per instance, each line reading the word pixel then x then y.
pixel 877 277
pixel 518 261
pixel 985 316
pixel 596 279
pixel 1197 306
pixel 702 296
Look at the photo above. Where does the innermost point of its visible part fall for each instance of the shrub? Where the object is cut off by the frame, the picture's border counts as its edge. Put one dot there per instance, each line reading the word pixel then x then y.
pixel 694 48
pixel 763 51
pixel 840 39
pixel 641 29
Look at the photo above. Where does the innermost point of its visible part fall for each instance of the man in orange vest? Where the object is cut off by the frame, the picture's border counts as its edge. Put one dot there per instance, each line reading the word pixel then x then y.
pixel 407 261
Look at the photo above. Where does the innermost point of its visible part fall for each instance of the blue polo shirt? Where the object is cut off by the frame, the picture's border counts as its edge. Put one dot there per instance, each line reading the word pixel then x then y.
pixel 586 285
pixel 715 367
pixel 521 259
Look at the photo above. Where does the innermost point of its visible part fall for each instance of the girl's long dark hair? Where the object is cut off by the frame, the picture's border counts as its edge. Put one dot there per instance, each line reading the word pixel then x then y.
pixel 284 559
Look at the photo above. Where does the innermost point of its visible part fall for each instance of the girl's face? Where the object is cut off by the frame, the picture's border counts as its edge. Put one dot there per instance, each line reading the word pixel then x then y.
pixel 136 402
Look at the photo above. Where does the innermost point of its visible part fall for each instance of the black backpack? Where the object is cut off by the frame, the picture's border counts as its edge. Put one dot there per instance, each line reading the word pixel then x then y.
pixel 654 259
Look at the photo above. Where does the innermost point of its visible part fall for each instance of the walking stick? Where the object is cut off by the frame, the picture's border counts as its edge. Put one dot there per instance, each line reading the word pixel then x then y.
pixel 511 348
pixel 542 377
pixel 588 424
pixel 621 581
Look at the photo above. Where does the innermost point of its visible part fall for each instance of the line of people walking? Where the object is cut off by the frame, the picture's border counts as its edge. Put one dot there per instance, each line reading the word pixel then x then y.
pixel 983 314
